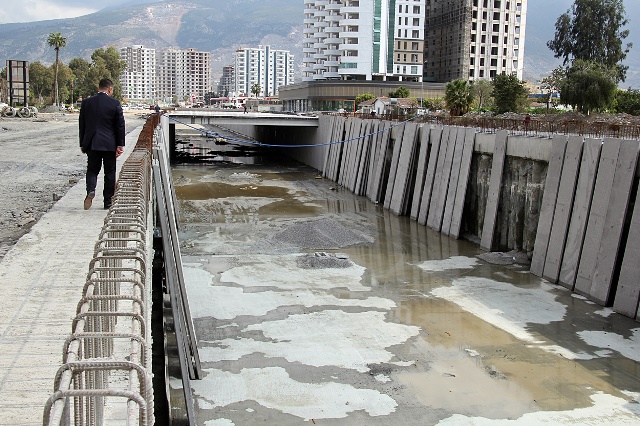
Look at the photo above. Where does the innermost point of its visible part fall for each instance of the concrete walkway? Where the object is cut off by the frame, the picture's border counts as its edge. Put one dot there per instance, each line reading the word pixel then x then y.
pixel 42 278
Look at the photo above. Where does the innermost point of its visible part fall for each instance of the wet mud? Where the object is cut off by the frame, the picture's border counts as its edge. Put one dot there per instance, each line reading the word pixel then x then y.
pixel 414 329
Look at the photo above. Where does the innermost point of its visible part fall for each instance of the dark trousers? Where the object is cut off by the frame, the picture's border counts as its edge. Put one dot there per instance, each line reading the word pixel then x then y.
pixel 95 160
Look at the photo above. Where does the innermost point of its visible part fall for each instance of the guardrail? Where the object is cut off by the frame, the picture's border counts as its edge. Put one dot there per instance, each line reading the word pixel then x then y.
pixel 106 371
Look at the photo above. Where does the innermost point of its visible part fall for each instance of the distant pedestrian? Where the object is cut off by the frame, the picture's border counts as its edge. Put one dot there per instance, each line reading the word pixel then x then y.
pixel 102 138
pixel 245 108
pixel 157 108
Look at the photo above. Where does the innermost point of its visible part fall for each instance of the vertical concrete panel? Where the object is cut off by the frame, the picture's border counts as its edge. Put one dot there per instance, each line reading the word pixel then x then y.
pixel 547 210
pixel 495 184
pixel 602 286
pixel 435 214
pixel 597 216
pixel 378 184
pixel 345 162
pixel 354 159
pixel 407 152
pixel 421 170
pixel 627 299
pixel 425 201
pixel 463 181
pixel 453 181
pixel 580 212
pixel 562 213
pixel 324 129
pixel 376 140
pixel 338 147
pixel 396 135
pixel 365 152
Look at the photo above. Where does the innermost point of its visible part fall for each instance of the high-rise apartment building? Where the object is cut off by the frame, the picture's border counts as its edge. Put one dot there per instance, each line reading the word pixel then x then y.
pixel 404 40
pixel 163 75
pixel 227 83
pixel 185 74
pixel 269 68
pixel 139 78
pixel 363 39
pixel 474 39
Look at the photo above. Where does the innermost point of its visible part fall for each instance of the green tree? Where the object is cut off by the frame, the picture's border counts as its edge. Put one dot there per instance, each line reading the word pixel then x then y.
pixel 509 93
pixel 83 86
pixel 592 31
pixel 40 82
pixel 551 83
pixel 458 96
pixel 110 65
pixel 589 86
pixel 256 89
pixel 482 91
pixel 434 103
pixel 56 40
pixel 627 101
pixel 400 92
pixel 363 97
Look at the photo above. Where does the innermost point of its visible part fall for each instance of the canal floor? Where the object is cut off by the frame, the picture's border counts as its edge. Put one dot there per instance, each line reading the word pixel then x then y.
pixel 313 305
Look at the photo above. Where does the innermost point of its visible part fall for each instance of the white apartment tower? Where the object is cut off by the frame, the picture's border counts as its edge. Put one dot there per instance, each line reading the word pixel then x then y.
pixel 269 68
pixel 363 39
pixel 185 74
pixel 139 78
pixel 474 39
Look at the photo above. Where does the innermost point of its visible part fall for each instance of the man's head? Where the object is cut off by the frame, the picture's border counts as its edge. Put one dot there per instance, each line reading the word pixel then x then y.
pixel 106 86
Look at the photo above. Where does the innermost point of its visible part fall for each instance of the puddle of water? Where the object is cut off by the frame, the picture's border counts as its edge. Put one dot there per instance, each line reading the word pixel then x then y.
pixel 463 363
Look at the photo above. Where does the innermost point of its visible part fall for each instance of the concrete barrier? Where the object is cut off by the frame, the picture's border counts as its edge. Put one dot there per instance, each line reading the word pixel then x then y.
pixel 568 207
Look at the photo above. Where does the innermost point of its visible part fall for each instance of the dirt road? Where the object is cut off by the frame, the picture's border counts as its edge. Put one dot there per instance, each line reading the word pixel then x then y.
pixel 39 161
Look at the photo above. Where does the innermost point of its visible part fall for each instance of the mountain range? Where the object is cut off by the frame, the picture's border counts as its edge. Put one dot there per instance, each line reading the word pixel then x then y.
pixel 222 26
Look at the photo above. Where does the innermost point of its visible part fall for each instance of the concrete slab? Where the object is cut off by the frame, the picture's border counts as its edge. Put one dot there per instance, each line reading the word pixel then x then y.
pixel 396 135
pixel 603 285
pixel 580 212
pixel 429 180
pixel 403 173
pixel 421 170
pixel 562 213
pixel 495 184
pixel 597 215
pixel 627 297
pixel 376 141
pixel 47 269
pixel 463 180
pixel 453 181
pixel 548 207
pixel 440 197
pixel 377 188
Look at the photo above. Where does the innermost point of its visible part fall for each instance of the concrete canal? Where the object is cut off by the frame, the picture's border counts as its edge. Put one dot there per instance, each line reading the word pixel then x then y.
pixel 314 305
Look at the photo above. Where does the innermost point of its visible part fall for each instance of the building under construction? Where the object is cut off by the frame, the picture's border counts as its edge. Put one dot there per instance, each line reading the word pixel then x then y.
pixel 474 39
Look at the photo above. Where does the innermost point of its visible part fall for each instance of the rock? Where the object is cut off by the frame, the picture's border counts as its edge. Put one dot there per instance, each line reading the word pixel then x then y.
pixel 26 221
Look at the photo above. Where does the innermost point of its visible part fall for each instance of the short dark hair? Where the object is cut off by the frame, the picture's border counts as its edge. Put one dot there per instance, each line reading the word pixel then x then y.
pixel 105 83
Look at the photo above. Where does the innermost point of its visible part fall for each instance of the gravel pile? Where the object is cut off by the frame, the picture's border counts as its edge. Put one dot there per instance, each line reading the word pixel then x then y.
pixel 323 234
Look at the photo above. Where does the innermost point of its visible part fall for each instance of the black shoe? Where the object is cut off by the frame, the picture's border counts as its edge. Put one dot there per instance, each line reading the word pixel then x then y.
pixel 88 200
pixel 107 206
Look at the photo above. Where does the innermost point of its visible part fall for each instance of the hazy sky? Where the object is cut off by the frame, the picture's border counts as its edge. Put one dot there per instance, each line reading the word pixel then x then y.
pixel 40 10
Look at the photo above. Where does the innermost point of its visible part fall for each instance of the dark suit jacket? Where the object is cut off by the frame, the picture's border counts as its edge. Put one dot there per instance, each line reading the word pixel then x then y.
pixel 101 123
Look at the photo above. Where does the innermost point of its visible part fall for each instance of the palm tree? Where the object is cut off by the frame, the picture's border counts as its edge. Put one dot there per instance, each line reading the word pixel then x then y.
pixel 256 89
pixel 458 96
pixel 56 41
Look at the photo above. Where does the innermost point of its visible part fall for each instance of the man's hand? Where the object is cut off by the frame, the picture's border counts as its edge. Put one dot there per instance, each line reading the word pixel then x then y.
pixel 119 150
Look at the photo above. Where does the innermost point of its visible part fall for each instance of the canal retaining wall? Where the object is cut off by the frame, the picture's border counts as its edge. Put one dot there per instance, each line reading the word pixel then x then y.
pixel 568 202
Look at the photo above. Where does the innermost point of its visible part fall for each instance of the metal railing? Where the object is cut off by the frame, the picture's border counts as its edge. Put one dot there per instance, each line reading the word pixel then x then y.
pixel 106 371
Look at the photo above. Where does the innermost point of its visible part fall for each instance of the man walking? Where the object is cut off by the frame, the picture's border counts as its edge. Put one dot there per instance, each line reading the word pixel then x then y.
pixel 102 135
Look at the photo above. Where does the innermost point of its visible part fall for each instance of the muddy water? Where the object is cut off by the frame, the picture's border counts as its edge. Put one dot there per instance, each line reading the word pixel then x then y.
pixel 459 338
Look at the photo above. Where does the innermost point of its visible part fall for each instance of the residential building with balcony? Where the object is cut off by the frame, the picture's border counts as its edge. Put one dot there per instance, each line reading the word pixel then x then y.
pixel 139 77
pixel 363 40
pixel 267 67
